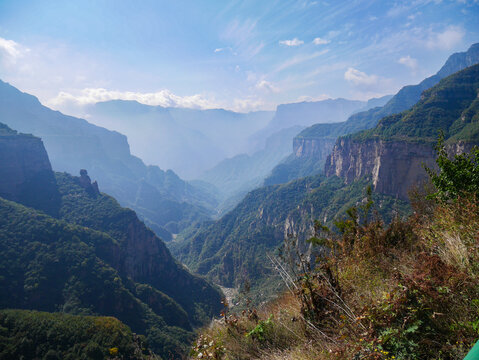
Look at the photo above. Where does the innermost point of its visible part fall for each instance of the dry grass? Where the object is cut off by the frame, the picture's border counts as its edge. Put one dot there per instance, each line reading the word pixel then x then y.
pixel 407 290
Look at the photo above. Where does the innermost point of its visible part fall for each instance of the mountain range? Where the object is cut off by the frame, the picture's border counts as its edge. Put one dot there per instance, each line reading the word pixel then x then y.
pixel 69 248
pixel 314 144
pixel 388 158
pixel 163 200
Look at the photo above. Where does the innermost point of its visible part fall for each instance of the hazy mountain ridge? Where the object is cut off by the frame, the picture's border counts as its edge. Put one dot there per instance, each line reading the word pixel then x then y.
pixel 74 144
pixel 237 175
pixel 188 141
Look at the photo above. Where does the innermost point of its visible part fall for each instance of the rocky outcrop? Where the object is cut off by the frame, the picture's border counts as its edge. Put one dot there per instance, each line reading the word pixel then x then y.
pixel 393 166
pixel 85 182
pixel 25 172
pixel 318 148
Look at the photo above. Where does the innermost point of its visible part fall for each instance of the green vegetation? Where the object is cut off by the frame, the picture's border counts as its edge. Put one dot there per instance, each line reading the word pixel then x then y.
pixel 99 259
pixel 103 213
pixel 458 176
pixel 40 335
pixel 50 265
pixel 403 100
pixel 450 106
pixel 407 290
pixel 235 248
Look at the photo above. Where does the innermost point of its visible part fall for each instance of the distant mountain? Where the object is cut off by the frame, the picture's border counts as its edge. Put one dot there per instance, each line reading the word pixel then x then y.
pixel 308 113
pixel 91 256
pixel 161 198
pixel 188 141
pixel 235 177
pixel 307 161
pixel 393 153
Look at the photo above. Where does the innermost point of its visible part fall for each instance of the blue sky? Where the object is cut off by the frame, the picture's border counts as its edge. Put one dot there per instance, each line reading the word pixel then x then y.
pixel 240 55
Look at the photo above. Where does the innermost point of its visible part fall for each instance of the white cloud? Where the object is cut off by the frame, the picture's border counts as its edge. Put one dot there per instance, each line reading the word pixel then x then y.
pixel 360 78
pixel 163 97
pixel 447 39
pixel 299 60
pixel 266 86
pixel 409 62
pixel 319 41
pixel 293 42
pixel 218 50
pixel 11 51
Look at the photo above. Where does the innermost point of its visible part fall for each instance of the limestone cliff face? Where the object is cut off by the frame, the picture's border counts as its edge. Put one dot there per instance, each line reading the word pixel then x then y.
pixel 25 172
pixel 318 148
pixel 393 166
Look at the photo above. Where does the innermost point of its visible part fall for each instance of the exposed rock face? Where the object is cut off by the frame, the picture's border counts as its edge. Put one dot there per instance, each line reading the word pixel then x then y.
pixel 85 182
pixel 25 172
pixel 318 148
pixel 393 166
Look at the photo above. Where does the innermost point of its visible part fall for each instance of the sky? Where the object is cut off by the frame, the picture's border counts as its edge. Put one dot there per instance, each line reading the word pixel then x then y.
pixel 238 55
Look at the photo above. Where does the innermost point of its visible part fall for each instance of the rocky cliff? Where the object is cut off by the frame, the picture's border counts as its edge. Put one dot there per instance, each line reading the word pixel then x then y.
pixel 25 168
pixel 393 154
pixel 313 147
pixel 393 166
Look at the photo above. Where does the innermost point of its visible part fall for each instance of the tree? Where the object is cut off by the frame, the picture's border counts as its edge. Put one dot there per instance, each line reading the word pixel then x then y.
pixel 457 176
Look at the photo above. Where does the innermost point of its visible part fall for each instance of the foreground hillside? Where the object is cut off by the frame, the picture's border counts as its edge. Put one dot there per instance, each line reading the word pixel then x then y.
pixel 408 290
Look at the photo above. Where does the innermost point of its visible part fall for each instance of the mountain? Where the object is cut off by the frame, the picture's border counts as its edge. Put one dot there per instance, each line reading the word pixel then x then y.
pixel 189 141
pixel 161 198
pixel 234 177
pixel 307 113
pixel 234 249
pixel 307 160
pixel 25 174
pixel 93 257
pixel 388 157
pixel 394 152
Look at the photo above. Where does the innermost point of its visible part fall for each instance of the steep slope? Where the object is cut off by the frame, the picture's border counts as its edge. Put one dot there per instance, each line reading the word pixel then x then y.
pixel 50 265
pixel 234 248
pixel 393 153
pixel 186 140
pixel 25 173
pixel 144 258
pixel 74 144
pixel 322 136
